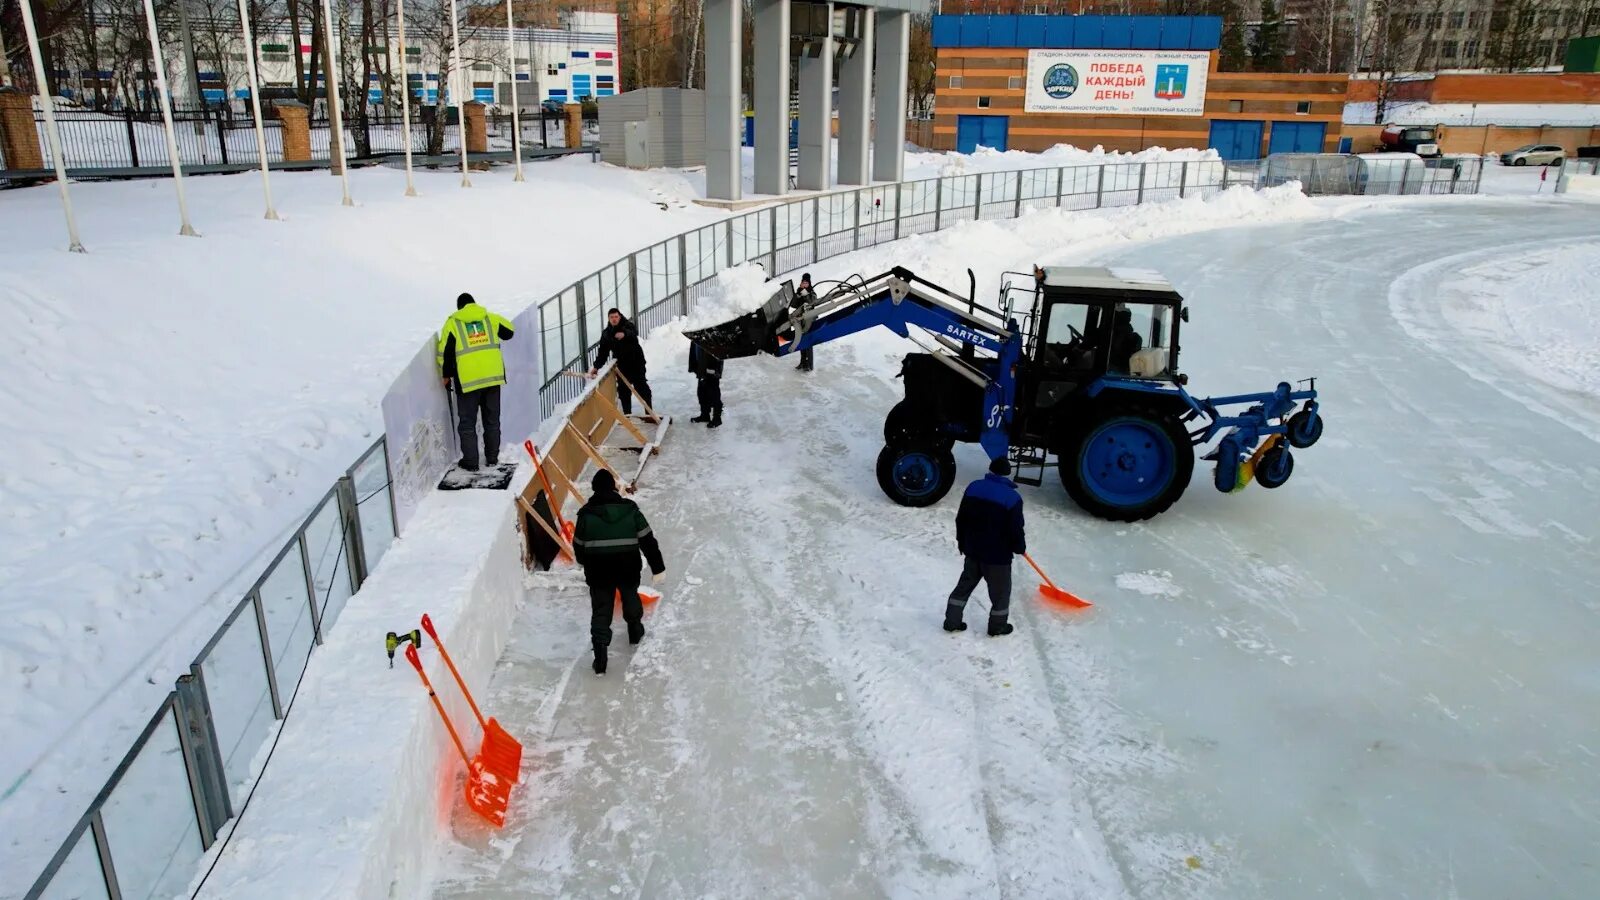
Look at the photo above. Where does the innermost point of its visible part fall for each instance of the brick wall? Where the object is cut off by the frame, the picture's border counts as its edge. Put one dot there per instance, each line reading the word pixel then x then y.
pixel 1485 138
pixel 989 72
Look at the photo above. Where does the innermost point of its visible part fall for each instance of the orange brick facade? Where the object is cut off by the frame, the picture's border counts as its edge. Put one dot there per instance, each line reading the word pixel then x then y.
pixel 1559 87
pixel 995 76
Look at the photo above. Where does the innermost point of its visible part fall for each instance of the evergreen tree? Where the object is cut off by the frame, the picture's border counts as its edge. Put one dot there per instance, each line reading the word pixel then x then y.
pixel 1266 51
pixel 1231 55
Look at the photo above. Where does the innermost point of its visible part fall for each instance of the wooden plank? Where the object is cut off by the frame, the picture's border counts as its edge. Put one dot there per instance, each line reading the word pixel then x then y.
pixel 627 425
pixel 566 548
pixel 594 455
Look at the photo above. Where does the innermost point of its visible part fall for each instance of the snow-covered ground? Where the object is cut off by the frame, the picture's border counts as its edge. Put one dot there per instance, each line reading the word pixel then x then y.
pixel 1375 681
pixel 1417 112
pixel 177 405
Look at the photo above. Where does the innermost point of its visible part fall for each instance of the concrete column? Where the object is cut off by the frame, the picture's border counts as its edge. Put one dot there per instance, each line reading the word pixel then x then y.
pixel 476 129
pixel 889 106
pixel 19 137
pixel 855 104
pixel 816 117
pixel 724 112
pixel 296 130
pixel 772 96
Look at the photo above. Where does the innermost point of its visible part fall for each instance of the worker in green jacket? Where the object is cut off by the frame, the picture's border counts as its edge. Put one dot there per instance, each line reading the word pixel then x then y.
pixel 607 539
pixel 470 360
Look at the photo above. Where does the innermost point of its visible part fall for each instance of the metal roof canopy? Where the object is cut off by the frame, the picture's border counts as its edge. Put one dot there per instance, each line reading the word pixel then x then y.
pixel 913 6
pixel 1100 278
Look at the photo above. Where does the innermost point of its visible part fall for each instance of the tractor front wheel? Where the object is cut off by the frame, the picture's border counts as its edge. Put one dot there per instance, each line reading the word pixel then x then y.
pixel 1127 464
pixel 918 474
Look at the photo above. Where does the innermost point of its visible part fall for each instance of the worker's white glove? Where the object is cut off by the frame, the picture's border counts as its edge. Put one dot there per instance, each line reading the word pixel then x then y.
pixel 658 577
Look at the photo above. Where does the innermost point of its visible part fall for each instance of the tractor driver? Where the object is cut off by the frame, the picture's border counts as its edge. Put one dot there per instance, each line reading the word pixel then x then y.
pixel 1125 341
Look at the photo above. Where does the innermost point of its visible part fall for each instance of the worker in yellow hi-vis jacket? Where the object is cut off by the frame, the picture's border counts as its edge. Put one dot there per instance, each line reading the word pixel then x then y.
pixel 470 361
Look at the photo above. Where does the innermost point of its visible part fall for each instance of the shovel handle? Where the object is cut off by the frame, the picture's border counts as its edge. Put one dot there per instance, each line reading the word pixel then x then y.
pixel 1042 576
pixel 416 663
pixel 427 625
pixel 549 492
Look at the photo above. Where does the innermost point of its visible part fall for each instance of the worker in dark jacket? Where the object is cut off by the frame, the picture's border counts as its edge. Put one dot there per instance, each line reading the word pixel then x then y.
pixel 621 340
pixel 988 531
pixel 707 369
pixel 609 536
pixel 803 295
pixel 470 363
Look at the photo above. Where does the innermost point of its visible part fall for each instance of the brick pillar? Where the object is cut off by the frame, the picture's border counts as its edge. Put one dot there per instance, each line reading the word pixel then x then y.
pixel 574 125
pixel 477 131
pixel 18 137
pixel 296 130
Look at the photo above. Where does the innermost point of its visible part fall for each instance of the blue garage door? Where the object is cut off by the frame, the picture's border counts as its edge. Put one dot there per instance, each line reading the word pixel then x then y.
pixel 1236 140
pixel 975 131
pixel 1296 137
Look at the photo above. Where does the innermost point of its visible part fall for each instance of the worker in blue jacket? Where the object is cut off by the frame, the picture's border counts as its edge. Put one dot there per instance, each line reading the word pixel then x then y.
pixel 989 530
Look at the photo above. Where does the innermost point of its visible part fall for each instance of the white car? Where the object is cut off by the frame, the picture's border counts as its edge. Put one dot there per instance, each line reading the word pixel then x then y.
pixel 1533 155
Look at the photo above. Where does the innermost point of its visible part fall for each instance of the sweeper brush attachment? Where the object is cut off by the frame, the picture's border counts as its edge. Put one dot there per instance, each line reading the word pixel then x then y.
pixel 752 333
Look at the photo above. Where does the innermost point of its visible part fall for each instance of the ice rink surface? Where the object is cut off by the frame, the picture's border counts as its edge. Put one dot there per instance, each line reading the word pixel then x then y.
pixel 1377 680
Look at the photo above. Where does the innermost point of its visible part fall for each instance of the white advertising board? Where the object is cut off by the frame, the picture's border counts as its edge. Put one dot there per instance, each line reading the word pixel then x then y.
pixel 1117 82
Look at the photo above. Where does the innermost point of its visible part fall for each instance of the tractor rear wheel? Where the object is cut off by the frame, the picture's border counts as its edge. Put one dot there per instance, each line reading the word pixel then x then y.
pixel 1127 464
pixel 916 474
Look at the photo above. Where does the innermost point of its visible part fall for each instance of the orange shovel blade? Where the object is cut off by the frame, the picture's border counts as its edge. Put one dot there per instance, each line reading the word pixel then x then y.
pixel 487 795
pixel 1057 595
pixel 501 754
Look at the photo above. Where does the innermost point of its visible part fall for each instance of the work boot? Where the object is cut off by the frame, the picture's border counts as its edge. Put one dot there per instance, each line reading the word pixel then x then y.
pixel 952 619
pixel 599 660
pixel 716 418
pixel 999 627
pixel 467 465
pixel 705 416
pixel 635 632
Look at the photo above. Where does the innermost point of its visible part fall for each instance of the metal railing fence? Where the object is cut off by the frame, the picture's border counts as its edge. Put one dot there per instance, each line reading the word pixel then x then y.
pixel 192 767
pixel 664 280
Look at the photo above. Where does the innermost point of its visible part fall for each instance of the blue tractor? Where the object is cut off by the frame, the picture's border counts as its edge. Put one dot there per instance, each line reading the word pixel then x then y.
pixel 1079 364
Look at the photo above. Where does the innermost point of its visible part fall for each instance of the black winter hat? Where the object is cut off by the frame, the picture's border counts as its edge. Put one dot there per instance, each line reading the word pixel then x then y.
pixel 1000 467
pixel 463 300
pixel 603 482
pixel 806 278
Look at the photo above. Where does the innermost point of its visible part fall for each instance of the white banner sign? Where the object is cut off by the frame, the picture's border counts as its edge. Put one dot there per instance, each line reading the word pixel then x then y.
pixel 1118 82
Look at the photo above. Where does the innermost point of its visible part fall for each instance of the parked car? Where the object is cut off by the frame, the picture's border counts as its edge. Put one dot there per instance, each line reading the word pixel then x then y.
pixel 1533 155
pixel 552 105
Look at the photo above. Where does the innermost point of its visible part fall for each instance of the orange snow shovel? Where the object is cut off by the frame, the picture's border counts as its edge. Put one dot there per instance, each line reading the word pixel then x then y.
pixel 500 753
pixel 1051 592
pixel 567 529
pixel 487 795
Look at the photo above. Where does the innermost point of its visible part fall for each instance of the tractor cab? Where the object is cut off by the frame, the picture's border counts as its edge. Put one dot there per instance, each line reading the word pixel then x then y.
pixel 1088 322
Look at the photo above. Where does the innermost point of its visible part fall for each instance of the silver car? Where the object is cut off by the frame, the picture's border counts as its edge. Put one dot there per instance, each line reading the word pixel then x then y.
pixel 1533 155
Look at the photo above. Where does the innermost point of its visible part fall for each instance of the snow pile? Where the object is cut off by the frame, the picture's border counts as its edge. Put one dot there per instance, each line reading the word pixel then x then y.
pixel 1154 583
pixel 1526 311
pixel 987 159
pixel 176 406
pixel 1470 114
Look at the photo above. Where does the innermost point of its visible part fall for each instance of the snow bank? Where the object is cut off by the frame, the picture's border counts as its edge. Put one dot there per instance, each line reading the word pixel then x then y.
pixel 987 159
pixel 176 406
pixel 1507 114
pixel 365 778
pixel 1520 318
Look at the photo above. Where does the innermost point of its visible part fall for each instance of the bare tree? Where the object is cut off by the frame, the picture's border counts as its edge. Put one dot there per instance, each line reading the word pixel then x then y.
pixel 1390 47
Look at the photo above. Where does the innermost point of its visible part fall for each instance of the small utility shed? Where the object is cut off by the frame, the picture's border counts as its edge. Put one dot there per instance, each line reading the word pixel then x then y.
pixel 654 127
